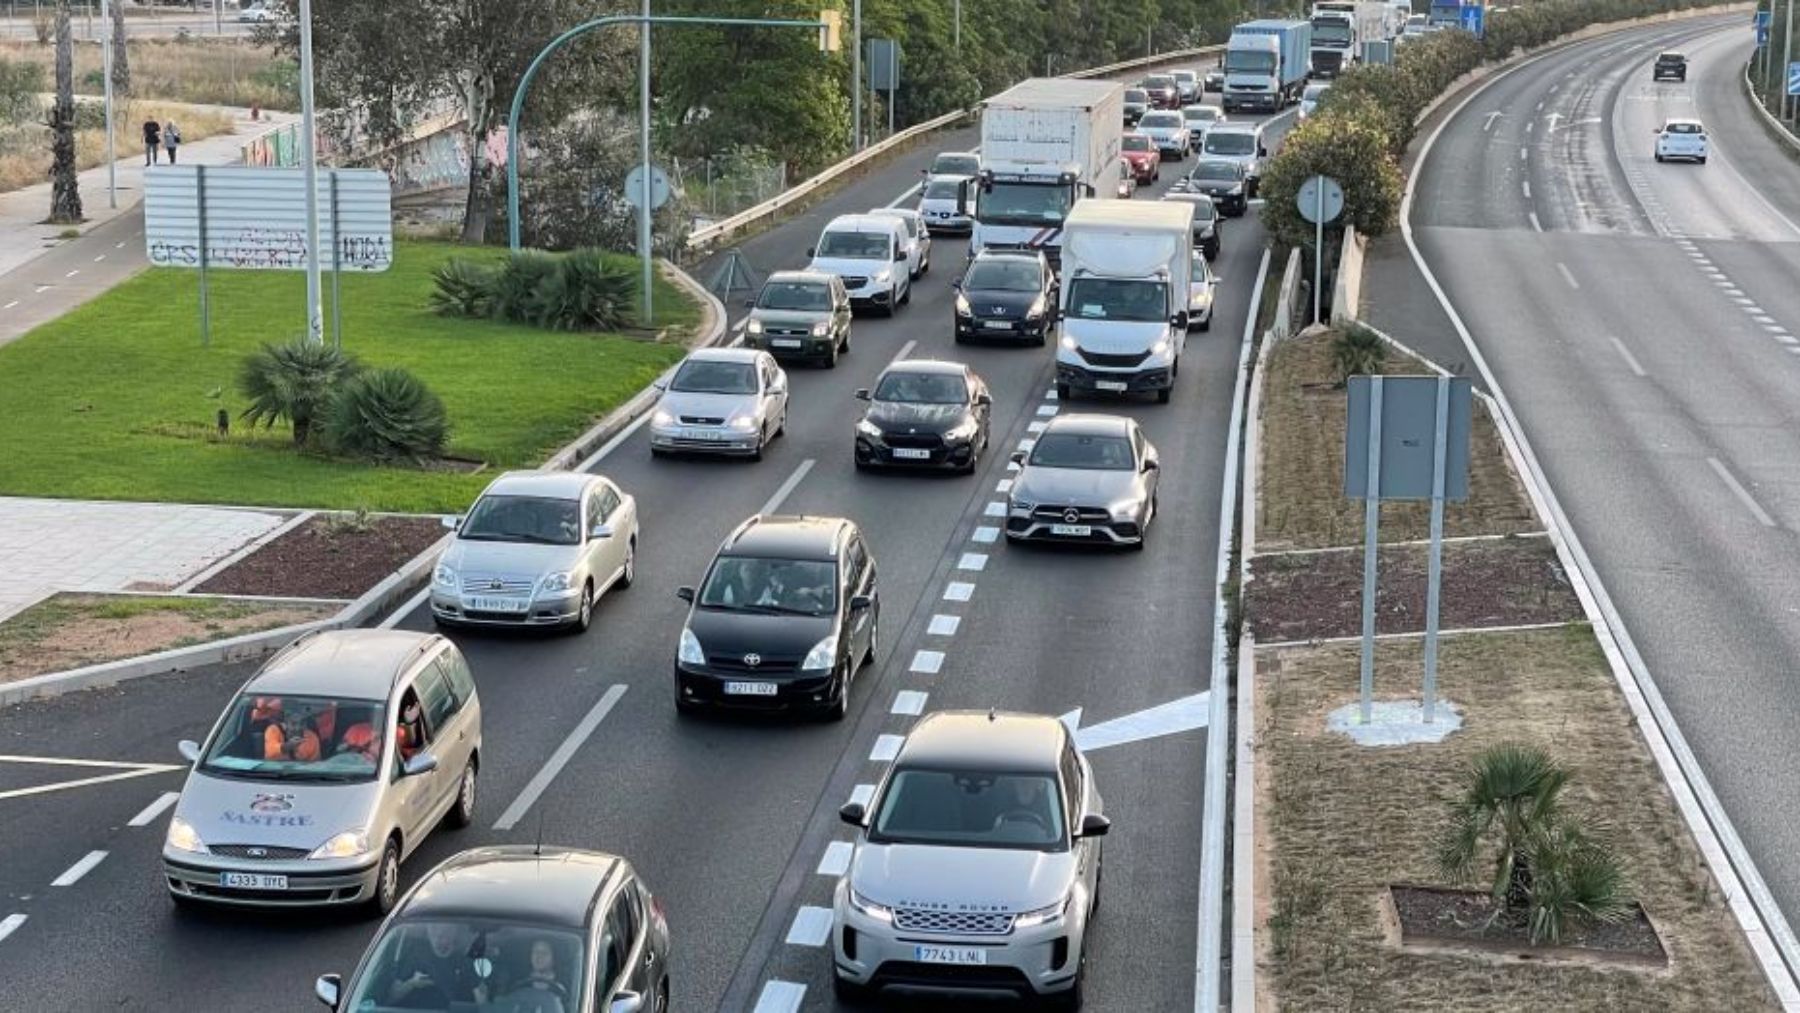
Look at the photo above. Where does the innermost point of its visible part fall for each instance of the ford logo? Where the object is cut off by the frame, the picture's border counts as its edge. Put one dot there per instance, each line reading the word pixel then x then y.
pixel 752 660
pixel 257 852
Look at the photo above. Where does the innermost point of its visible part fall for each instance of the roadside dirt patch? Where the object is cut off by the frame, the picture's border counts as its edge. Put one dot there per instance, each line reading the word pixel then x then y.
pixel 1501 582
pixel 1435 917
pixel 329 556
pixel 72 630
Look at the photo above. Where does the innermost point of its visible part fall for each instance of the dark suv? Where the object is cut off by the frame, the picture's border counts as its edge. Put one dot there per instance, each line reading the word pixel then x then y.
pixel 786 616
pixel 1669 65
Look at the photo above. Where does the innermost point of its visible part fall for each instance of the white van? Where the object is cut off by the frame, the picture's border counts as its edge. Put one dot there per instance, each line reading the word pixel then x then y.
pixel 1125 297
pixel 868 252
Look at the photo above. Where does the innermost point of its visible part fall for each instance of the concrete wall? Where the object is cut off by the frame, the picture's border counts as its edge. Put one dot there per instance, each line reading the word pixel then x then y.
pixel 1346 294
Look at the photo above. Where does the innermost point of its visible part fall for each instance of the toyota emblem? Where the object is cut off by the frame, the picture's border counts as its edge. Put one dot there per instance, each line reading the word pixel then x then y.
pixel 1071 515
pixel 752 660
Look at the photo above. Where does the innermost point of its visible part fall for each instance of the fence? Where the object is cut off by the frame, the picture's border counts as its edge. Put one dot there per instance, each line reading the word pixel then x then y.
pixel 716 187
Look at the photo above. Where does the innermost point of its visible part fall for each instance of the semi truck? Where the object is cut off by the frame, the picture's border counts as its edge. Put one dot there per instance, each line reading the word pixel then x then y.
pixel 1124 306
pixel 1340 27
pixel 1266 64
pixel 1046 144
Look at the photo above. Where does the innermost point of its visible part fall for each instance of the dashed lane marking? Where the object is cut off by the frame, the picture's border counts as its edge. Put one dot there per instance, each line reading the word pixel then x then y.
pixel 1568 276
pixel 780 997
pixel 886 748
pixel 927 662
pixel 959 590
pixel 559 759
pixel 1630 360
pixel 1003 486
pixel 1525 185
pixel 154 809
pixel 995 508
pixel 73 873
pixel 1535 224
pixel 1047 410
pixel 986 535
pixel 10 305
pixel 811 926
pixel 943 625
pixel 10 924
pixel 976 561
pixel 909 701
pixel 836 860
pixel 1743 494
pixel 788 486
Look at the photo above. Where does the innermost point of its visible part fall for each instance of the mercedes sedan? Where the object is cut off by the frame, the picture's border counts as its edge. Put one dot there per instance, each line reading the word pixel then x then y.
pixel 924 413
pixel 1088 479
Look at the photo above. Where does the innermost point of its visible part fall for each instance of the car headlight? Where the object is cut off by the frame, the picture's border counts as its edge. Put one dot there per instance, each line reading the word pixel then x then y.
pixel 443 576
pixel 1021 505
pixel 963 430
pixel 1160 348
pixel 866 428
pixel 962 305
pixel 821 329
pixel 742 422
pixel 557 582
pixel 1043 915
pixel 182 837
pixel 822 656
pixel 886 275
pixel 1036 309
pixel 690 653
pixel 753 327
pixel 1068 342
pixel 349 844
pixel 662 418
pixel 879 912
pixel 1123 510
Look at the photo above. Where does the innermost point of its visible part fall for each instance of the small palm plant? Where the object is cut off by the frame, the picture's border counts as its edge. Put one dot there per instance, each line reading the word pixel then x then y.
pixel 1357 351
pixel 387 415
pixel 463 288
pixel 293 382
pixel 1546 867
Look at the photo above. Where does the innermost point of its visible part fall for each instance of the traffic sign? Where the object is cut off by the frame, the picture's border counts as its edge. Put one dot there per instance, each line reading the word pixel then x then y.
pixel 1762 28
pixel 1793 79
pixel 659 187
pixel 1307 200
pixel 1473 19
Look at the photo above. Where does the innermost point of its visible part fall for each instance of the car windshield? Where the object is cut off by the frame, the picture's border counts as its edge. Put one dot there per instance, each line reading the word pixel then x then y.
pixel 1004 275
pixel 855 245
pixel 922 388
pixel 942 189
pixel 1128 299
pixel 471 964
pixel 1230 142
pixel 298 738
pixel 1044 203
pixel 1331 32
pixel 1155 120
pixel 956 164
pixel 710 376
pixel 971 809
pixel 1671 58
pixel 538 520
pixel 1135 142
pixel 1082 451
pixel 1138 95
pixel 1201 114
pixel 1184 76
pixel 1683 128
pixel 795 295
pixel 1163 83
pixel 1215 169
pixel 763 584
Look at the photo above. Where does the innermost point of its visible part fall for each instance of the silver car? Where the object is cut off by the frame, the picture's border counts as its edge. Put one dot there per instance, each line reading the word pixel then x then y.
pixel 1169 132
pixel 918 238
pixel 976 866
pixel 721 401
pixel 947 204
pixel 1201 285
pixel 538 548
pixel 1087 478
pixel 331 765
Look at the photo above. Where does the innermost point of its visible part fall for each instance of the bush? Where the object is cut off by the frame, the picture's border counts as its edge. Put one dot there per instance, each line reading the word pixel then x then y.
pixel 387 415
pixel 1350 146
pixel 463 288
pixel 515 287
pixel 1357 351
pixel 587 293
pixel 293 382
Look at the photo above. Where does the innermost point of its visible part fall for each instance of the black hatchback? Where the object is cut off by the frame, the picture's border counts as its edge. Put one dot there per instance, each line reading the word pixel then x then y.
pixel 1006 295
pixel 924 413
pixel 787 614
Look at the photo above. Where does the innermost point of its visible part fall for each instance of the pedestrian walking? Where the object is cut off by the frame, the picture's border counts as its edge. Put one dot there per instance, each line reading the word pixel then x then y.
pixel 171 138
pixel 152 140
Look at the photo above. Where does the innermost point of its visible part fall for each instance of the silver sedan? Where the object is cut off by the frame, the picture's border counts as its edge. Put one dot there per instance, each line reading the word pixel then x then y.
pixel 721 401
pixel 1088 478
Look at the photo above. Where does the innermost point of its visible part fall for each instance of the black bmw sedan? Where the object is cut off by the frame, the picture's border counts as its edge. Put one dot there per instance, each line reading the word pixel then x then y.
pixel 1008 295
pixel 924 413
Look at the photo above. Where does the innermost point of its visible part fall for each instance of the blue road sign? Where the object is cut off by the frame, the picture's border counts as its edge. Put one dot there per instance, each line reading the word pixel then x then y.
pixel 1473 19
pixel 1762 27
pixel 1794 78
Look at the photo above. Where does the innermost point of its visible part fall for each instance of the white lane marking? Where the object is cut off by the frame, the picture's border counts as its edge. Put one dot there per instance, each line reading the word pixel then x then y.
pixel 10 305
pixel 399 615
pixel 1488 124
pixel 99 257
pixel 1567 275
pixel 1781 335
pixel 780 997
pixel 908 701
pixel 862 794
pixel 836 860
pixel 1003 486
pixel 1742 300
pixel 1522 150
pixel 886 748
pixel 1630 360
pixel 559 759
pixel 1760 318
pixel 905 195
pixel 1528 126
pixel 959 590
pixel 905 350
pixel 73 273
pixel 995 508
pixel 976 561
pixel 927 662
pixel 64 761
pixel 986 535
pixel 1047 410
pixel 943 625
pixel 1743 494
pixel 1795 349
pixel 811 926
pixel 73 873
pixel 10 924
pixel 1026 445
pixel 125 772
pixel 1535 224
pixel 1525 185
pixel 154 809
pixel 119 246
pixel 41 287
pixel 787 487
pixel 1050 395
pixel 1037 426
pixel 613 444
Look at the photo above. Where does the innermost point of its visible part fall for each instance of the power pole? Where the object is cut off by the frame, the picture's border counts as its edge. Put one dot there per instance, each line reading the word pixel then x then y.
pixel 309 160
pixel 645 211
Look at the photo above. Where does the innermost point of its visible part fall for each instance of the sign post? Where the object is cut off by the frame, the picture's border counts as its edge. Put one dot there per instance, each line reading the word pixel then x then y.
pixel 1319 200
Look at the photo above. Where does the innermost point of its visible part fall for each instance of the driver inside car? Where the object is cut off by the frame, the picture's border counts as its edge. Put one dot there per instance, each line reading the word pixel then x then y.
pixel 539 991
pixel 434 972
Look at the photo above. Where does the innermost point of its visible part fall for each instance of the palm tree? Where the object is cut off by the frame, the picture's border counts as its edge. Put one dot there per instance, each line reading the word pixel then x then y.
pixel 294 381
pixel 121 74
pixel 65 188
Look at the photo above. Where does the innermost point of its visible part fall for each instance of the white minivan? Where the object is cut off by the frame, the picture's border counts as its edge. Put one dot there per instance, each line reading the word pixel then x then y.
pixel 869 253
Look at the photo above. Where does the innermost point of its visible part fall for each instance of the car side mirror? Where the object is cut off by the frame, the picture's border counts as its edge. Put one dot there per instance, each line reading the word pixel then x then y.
pixel 328 988
pixel 1151 465
pixel 660 384
pixel 626 1002
pixel 1017 457
pixel 685 594
pixel 899 254
pixel 451 522
pixel 1262 152
pixel 853 813
pixel 956 286
pixel 189 750
pixel 1095 825
pixel 862 393
pixel 860 602
pixel 749 304
pixel 812 251
pixel 984 399
pixel 601 530
pixel 1180 319
pixel 778 385
pixel 419 763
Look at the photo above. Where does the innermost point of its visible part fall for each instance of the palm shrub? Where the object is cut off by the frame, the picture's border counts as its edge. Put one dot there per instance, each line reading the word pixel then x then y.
pixel 587 292
pixel 463 288
pixel 388 415
pixel 293 382
pixel 516 286
pixel 1545 866
pixel 1357 351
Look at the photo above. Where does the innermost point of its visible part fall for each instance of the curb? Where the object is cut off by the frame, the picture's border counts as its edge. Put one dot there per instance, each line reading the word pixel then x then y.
pixel 232 558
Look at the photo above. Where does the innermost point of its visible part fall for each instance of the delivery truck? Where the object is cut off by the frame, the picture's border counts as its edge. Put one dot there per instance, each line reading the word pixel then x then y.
pixel 1046 144
pixel 1124 309
pixel 1266 64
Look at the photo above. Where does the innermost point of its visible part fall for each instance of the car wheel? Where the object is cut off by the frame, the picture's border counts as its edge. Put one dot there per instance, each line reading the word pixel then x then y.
pixel 1062 392
pixel 1162 396
pixel 848 992
pixel 387 881
pixel 838 709
pixel 906 299
pixel 844 345
pixel 463 812
pixel 1071 998
pixel 662 996
pixel 584 616
pixel 629 574
pixel 1702 159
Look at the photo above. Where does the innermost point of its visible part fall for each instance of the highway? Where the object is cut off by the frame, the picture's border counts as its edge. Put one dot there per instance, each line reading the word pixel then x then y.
pixel 729 820
pixel 1642 319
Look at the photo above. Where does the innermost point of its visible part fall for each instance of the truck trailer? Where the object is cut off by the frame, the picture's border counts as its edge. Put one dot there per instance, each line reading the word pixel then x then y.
pixel 1340 27
pixel 1046 143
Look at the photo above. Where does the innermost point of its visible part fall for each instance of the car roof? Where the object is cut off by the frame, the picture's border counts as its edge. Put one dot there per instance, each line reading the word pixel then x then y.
pixel 862 223
pixel 993 740
pixel 937 366
pixel 352 664
pixel 788 536
pixel 792 277
pixel 724 355
pixel 945 177
pixel 956 154
pixel 519 883
pixel 1676 53
pixel 543 484
pixel 1188 196
pixel 1090 424
pixel 1004 253
pixel 895 212
pixel 1236 127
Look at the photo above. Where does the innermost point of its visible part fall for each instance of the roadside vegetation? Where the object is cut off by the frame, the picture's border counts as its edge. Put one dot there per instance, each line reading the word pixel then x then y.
pixel 25 154
pixel 221 72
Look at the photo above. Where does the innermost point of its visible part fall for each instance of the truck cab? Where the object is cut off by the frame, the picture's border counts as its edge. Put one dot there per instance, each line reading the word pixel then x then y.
pixel 1125 294
pixel 1046 144
pixel 1266 64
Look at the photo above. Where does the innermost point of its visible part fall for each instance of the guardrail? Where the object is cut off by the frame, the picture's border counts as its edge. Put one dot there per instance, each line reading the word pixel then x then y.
pixel 703 240
pixel 1777 129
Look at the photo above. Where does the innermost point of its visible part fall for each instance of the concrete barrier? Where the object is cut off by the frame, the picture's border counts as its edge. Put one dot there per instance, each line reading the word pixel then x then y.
pixel 1288 297
pixel 1346 292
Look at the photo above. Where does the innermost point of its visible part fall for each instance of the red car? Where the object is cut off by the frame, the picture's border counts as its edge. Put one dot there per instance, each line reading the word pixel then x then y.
pixel 1140 151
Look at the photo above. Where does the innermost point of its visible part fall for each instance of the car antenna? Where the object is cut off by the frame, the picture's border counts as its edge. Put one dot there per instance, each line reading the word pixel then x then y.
pixel 537 850
pixel 991 714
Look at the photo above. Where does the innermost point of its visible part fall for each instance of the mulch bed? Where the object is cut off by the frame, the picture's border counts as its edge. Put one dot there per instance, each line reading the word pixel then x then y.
pixel 328 558
pixel 1433 916
pixel 1502 582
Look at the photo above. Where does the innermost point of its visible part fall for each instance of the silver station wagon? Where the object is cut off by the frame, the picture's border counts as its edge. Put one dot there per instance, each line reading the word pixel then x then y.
pixel 333 763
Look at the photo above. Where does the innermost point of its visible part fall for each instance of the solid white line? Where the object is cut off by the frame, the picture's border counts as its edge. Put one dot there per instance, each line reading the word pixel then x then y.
pixel 905 350
pixel 559 759
pixel 927 662
pixel 44 789
pixel 1743 494
pixel 1525 185
pixel 10 924
pixel 986 535
pixel 908 701
pixel 959 591
pixel 73 873
pixel 154 809
pixel 787 487
pixel 811 926
pixel 1625 353
pixel 886 748
pixel 836 860
pixel 1535 224
pixel 943 625
pixel 862 794
pixel 399 615
pixel 1567 275
pixel 976 561
pixel 780 997
pixel 620 437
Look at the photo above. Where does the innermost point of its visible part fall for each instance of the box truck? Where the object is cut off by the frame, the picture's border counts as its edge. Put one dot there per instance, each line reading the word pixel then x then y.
pixel 1046 143
pixel 1266 63
pixel 1340 27
pixel 1124 309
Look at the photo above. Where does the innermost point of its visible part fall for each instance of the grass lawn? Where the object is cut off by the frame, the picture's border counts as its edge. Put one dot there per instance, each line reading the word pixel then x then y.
pixel 117 399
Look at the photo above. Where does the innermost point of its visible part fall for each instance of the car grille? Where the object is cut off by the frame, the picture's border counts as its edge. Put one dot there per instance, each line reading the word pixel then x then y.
pixel 1056 514
pixel 913 441
pixel 787 332
pixel 961 923
pixel 768 665
pixel 497 585
pixel 701 420
pixel 854 281
pixel 1125 360
pixel 257 852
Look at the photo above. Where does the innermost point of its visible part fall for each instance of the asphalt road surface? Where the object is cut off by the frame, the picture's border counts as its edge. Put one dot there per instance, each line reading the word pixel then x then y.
pixel 1643 320
pixel 727 819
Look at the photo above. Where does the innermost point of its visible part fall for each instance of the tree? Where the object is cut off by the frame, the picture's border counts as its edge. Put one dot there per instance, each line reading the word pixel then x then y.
pixel 121 70
pixel 65 187
pixel 1350 148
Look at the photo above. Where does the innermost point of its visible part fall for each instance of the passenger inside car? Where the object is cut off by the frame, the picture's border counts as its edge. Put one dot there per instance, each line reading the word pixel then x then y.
pixel 409 733
pixel 540 989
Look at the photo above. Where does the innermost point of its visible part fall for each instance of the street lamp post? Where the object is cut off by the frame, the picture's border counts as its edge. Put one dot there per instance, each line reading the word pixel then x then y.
pixel 106 69
pixel 315 315
pixel 856 117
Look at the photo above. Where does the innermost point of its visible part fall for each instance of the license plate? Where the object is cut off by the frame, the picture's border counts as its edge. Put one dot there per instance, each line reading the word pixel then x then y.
pixel 498 604
pixel 950 955
pixel 749 689
pixel 702 434
pixel 1110 385
pixel 1074 530
pixel 252 881
pixel 784 343
pixel 912 454
pixel 997 325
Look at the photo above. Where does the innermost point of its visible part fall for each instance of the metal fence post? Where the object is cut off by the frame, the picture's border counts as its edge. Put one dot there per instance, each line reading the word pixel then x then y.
pixel 337 297
pixel 205 303
pixel 1371 525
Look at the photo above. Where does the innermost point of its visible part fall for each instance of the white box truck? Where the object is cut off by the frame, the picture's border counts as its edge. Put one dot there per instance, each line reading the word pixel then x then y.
pixel 1046 143
pixel 1125 267
pixel 1339 29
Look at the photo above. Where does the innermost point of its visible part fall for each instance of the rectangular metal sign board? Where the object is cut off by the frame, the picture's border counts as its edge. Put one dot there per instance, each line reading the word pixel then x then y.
pixel 254 218
pixel 1408 434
